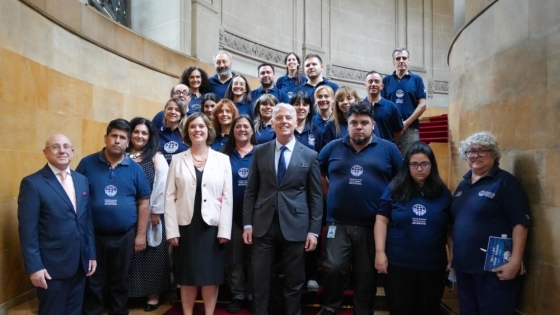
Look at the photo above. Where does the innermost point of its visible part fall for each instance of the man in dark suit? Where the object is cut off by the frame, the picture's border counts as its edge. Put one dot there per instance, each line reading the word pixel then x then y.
pixel 282 209
pixel 56 230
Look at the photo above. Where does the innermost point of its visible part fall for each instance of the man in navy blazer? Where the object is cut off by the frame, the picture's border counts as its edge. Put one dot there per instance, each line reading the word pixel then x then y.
pixel 56 230
pixel 282 210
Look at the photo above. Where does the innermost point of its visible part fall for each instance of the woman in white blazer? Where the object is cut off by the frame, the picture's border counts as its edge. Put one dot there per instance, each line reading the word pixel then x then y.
pixel 198 210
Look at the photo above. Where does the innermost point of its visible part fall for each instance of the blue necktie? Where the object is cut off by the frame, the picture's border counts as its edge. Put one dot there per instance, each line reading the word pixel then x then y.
pixel 281 165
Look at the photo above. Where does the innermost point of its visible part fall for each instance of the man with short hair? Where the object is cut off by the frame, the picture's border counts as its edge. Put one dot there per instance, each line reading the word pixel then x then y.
pixel 56 230
pixel 282 210
pixel 266 76
pixel 120 195
pixel 356 169
pixel 181 92
pixel 313 67
pixel 407 90
pixel 386 113
pixel 219 82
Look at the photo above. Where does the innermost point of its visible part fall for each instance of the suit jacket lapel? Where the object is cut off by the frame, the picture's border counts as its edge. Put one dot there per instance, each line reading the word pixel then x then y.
pixel 294 161
pixel 52 181
pixel 188 161
pixel 272 160
pixel 80 188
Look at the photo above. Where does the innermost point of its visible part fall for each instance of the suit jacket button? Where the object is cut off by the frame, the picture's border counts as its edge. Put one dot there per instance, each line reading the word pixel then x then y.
pixel 203 185
pixel 204 200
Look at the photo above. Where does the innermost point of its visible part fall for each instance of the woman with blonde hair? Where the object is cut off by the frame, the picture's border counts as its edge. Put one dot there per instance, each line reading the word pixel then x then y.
pixel 337 127
pixel 324 96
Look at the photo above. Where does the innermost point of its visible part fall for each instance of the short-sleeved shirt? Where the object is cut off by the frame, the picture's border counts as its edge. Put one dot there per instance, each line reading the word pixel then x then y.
pixel 265 133
pixel 310 89
pixel 245 108
pixel 157 121
pixel 387 119
pixel 170 142
pixel 280 96
pixel 308 137
pixel 490 207
pixel 217 87
pixel 417 230
pixel 194 104
pixel 288 84
pixel 357 179
pixel 219 142
pixel 405 93
pixel 114 192
pixel 240 167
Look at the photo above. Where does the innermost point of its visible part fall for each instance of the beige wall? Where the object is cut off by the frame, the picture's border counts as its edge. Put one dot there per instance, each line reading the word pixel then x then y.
pixel 505 78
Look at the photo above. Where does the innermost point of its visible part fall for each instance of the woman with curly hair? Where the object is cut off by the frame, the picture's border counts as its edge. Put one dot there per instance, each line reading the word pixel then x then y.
pixel 197 81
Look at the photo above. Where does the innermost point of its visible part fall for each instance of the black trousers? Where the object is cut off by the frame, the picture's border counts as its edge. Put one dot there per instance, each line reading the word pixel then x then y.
pixel 238 265
pixel 414 292
pixel 263 252
pixel 111 279
pixel 63 296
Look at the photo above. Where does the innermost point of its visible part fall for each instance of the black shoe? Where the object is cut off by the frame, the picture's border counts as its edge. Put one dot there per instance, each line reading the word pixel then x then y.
pixel 151 307
pixel 234 306
pixel 325 311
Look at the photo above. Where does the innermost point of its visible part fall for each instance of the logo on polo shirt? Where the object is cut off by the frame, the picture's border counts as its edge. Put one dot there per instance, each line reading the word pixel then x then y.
pixel 171 147
pixel 111 190
pixel 487 194
pixel 311 139
pixel 459 193
pixel 357 170
pixel 243 172
pixel 419 210
pixel 195 108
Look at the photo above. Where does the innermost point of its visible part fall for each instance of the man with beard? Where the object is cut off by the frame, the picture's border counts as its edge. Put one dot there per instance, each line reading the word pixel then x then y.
pixel 266 77
pixel 119 199
pixel 386 113
pixel 313 67
pixel 356 169
pixel 407 90
pixel 220 81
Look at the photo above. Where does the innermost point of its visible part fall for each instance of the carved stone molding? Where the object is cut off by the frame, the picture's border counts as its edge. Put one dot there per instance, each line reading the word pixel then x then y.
pixel 346 73
pixel 251 48
pixel 438 87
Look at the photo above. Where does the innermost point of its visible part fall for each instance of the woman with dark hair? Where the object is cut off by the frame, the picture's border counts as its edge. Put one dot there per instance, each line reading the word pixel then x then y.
pixel 149 275
pixel 239 148
pixel 337 126
pixel 170 141
pixel 209 101
pixel 239 92
pixel 262 113
pixel 305 132
pixel 292 79
pixel 410 233
pixel 198 210
pixel 222 117
pixel 197 81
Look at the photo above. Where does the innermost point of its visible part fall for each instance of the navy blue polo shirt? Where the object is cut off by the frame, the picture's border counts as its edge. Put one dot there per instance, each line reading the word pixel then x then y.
pixel 244 107
pixel 308 137
pixel 194 104
pixel 310 89
pixel 280 96
pixel 319 123
pixel 240 167
pixel 417 230
pixel 170 142
pixel 405 93
pixel 288 85
pixel 264 133
pixel 357 179
pixel 219 142
pixel 387 119
pixel 218 87
pixel 114 192
pixel 490 207
pixel 157 121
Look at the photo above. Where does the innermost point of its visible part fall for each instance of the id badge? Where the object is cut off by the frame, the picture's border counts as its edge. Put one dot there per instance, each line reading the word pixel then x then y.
pixel 331 231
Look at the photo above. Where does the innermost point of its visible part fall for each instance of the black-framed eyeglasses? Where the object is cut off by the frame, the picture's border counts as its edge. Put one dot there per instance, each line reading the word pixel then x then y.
pixel 423 165
pixel 186 93
pixel 481 153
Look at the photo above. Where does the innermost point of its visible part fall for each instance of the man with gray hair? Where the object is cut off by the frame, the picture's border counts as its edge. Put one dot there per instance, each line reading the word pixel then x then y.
pixel 219 82
pixel 407 90
pixel 282 210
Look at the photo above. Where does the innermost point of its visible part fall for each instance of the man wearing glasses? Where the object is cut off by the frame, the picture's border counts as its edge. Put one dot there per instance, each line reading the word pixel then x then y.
pixel 179 91
pixel 407 90
pixel 356 169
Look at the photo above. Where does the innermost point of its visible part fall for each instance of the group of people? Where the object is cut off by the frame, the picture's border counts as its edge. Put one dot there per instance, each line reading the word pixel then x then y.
pixel 297 173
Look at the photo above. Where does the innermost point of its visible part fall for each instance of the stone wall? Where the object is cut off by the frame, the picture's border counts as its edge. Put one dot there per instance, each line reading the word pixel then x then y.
pixel 505 78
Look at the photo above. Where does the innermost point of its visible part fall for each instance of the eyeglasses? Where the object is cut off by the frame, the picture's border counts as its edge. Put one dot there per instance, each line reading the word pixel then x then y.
pixel 423 165
pixel 186 93
pixel 473 153
pixel 58 147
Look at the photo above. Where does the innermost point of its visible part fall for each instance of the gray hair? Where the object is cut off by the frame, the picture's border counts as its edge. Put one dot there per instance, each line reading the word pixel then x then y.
pixel 481 139
pixel 400 49
pixel 288 107
pixel 222 52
